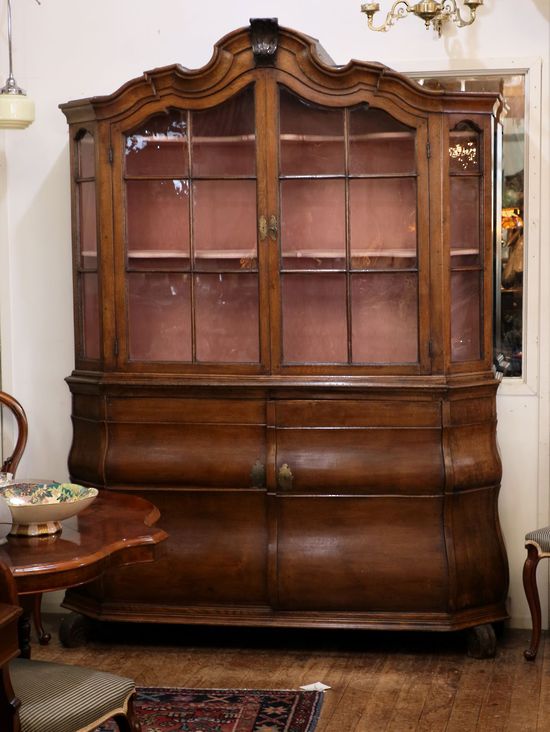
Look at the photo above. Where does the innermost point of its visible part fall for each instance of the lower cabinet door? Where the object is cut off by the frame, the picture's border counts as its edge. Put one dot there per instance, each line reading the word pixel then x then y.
pixel 361 553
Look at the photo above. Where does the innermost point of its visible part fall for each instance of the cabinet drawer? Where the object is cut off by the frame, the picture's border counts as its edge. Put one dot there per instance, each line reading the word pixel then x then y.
pixel 363 447
pixel 186 442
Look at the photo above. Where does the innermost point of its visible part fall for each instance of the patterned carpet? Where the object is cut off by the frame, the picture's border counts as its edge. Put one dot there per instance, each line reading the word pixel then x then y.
pixel 225 710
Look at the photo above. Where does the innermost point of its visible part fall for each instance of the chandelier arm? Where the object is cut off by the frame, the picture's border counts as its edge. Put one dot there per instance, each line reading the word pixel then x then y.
pixel 452 10
pixel 399 9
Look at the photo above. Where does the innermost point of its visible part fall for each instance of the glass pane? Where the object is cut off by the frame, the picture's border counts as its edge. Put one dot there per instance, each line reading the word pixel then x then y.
pixel 465 316
pixel 86 156
pixel 223 138
pixel 510 251
pixel 465 221
pixel 384 318
pixel 159 317
pixel 226 315
pixel 464 151
pixel 380 239
pixel 225 224
pixel 88 224
pixel 312 137
pixel 379 143
pixel 314 318
pixel 159 147
pixel 90 314
pixel 157 221
pixel 313 226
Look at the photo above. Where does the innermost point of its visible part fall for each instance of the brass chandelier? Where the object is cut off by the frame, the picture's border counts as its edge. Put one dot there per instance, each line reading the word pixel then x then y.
pixel 433 13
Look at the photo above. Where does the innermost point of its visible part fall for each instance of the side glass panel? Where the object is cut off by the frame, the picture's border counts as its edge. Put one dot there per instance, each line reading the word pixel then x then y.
pixel 191 242
pixel 87 252
pixel 348 263
pixel 509 346
pixel 466 181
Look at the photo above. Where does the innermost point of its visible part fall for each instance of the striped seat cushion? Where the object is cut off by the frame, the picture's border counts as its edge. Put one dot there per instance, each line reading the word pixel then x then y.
pixel 62 698
pixel 541 539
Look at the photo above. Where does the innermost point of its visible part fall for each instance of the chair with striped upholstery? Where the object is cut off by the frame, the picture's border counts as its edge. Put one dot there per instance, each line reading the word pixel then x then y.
pixel 38 696
pixel 537 544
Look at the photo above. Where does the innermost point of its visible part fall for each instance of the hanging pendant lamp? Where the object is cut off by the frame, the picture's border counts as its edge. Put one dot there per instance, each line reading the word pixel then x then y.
pixel 16 109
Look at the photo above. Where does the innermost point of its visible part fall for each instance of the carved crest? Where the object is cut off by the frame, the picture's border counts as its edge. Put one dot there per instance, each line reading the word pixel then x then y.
pixel 264 37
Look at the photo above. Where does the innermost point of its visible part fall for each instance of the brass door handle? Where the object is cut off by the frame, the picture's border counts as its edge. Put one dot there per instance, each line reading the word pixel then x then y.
pixel 268 228
pixel 257 475
pixel 285 477
pixel 272 228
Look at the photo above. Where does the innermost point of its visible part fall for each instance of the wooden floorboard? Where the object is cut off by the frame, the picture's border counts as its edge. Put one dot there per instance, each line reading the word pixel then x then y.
pixel 380 682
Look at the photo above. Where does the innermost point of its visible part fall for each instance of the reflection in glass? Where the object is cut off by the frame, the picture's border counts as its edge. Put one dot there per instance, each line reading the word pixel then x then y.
pixel 380 144
pixel 225 224
pixel 159 147
pixel 384 316
pixel 311 137
pixel 314 318
pixel 313 232
pixel 380 238
pixel 159 317
pixel 465 315
pixel 226 317
pixel 464 151
pixel 86 156
pixel 465 220
pixel 157 219
pixel 223 138
pixel 88 224
pixel 90 314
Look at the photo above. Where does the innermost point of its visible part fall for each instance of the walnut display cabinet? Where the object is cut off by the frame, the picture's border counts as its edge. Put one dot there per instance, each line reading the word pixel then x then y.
pixel 283 298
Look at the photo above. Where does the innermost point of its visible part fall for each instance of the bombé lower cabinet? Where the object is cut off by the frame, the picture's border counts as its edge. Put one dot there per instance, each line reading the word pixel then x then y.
pixel 283 297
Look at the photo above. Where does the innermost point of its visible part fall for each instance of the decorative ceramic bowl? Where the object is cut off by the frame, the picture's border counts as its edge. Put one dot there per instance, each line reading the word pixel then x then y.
pixel 38 506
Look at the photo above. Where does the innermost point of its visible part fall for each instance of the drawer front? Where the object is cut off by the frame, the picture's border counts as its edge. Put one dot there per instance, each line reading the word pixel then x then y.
pixel 187 442
pixel 359 447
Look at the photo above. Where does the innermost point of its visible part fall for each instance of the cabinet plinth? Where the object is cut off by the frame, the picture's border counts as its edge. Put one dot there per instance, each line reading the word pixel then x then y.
pixel 283 288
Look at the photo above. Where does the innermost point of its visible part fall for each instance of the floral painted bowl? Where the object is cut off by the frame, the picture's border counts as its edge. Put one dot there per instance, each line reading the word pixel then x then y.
pixel 37 507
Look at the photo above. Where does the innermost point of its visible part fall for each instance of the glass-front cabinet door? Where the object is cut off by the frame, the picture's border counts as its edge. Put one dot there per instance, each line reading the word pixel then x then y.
pixel 352 244
pixel 273 232
pixel 191 269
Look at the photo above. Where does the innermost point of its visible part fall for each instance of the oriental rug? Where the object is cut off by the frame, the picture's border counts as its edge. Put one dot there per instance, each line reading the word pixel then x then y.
pixel 225 710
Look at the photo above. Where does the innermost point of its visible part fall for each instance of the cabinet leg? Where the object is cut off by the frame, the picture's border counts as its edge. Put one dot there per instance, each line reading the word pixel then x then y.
pixel 74 630
pixel 532 594
pixel 482 641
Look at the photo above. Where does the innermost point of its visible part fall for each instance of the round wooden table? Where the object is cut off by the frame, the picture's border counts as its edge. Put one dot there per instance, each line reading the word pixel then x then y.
pixel 116 529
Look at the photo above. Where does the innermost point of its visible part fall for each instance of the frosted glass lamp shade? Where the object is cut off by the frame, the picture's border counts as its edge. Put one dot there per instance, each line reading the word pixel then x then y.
pixel 16 111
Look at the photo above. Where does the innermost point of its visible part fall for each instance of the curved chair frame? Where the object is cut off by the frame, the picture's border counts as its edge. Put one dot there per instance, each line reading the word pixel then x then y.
pixel 537 544
pixel 10 463
pixel 10 705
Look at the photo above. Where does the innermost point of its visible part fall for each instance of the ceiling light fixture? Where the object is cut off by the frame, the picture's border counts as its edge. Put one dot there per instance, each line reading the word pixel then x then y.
pixel 16 109
pixel 432 13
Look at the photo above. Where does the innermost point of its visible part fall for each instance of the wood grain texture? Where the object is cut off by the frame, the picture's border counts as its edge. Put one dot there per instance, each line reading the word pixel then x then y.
pixel 351 483
pixel 380 682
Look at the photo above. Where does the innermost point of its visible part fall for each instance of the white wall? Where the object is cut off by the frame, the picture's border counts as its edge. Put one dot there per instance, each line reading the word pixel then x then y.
pixel 67 49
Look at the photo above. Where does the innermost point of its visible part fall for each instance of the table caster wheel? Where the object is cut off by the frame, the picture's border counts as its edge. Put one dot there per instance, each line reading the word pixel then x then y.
pixel 74 630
